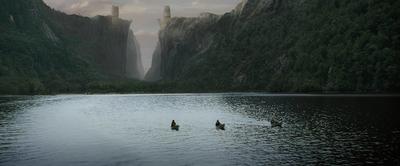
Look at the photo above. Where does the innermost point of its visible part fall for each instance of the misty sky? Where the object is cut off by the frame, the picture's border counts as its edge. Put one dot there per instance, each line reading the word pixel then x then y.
pixel 144 14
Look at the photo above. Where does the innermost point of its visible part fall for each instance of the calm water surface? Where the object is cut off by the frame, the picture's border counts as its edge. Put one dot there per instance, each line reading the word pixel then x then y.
pixel 134 130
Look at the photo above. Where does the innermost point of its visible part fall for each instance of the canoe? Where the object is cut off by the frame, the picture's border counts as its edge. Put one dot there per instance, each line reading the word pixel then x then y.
pixel 176 127
pixel 275 123
pixel 221 126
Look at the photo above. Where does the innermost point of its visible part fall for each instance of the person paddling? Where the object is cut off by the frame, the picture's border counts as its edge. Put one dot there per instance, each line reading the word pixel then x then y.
pixel 173 124
pixel 218 123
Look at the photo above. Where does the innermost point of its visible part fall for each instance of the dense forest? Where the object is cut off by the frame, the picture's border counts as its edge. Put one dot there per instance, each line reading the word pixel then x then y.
pixel 287 46
pixel 29 61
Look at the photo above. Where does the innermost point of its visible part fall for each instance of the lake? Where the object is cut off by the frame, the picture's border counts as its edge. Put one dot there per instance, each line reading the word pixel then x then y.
pixel 135 129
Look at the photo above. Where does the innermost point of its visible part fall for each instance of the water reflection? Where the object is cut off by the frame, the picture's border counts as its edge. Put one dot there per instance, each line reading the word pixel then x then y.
pixel 135 130
pixel 325 129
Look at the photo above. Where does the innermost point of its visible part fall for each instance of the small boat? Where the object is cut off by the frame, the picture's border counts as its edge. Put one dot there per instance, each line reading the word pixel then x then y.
pixel 221 126
pixel 176 127
pixel 275 123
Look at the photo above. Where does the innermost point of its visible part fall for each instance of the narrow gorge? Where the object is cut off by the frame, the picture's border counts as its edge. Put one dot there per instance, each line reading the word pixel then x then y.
pixel 261 45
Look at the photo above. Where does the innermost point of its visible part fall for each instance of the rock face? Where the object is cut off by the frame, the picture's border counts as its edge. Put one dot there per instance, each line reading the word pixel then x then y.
pixel 112 44
pixel 174 39
pixel 134 67
pixel 284 45
pixel 45 50
pixel 106 39
pixel 154 73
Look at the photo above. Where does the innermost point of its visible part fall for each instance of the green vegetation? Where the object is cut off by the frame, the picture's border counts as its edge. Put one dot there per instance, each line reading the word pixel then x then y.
pixel 296 46
pixel 289 46
pixel 43 51
pixel 31 62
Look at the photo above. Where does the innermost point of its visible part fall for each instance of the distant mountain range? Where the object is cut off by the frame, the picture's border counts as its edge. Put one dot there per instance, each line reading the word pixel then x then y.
pixel 46 51
pixel 284 46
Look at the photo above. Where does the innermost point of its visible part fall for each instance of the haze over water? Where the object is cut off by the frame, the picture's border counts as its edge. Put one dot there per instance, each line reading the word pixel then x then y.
pixel 134 130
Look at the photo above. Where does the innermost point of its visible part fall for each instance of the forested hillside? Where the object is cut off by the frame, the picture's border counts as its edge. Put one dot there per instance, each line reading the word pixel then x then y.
pixel 287 46
pixel 46 51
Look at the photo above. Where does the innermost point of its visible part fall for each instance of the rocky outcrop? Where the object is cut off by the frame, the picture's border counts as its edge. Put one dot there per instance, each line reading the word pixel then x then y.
pixel 180 34
pixel 111 40
pixel 284 45
pixel 49 33
pixel 108 40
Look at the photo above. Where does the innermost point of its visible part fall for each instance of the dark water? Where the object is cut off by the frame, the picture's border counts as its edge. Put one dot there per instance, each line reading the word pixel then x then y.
pixel 134 130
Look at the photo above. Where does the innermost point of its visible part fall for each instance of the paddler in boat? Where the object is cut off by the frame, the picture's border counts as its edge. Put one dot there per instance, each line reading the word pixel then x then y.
pixel 173 124
pixel 217 123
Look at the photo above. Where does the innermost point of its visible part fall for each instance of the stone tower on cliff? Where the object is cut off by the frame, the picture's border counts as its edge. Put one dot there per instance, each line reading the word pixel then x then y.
pixel 167 17
pixel 115 11
pixel 114 14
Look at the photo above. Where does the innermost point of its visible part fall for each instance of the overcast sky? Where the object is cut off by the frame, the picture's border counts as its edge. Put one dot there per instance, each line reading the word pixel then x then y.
pixel 144 14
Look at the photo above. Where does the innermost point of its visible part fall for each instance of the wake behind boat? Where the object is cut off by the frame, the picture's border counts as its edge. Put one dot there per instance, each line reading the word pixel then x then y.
pixel 221 126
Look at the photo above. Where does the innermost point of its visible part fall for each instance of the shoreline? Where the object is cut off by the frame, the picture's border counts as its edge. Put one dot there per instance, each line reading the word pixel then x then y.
pixel 265 94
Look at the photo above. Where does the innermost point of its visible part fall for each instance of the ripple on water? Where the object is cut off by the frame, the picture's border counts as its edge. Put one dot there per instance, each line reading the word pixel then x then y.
pixel 134 130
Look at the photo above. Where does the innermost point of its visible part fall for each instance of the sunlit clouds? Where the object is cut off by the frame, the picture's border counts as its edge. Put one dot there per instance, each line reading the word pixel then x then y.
pixel 144 14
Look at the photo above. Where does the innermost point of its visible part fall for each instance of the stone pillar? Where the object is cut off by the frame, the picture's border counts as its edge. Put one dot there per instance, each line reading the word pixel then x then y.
pixel 115 11
pixel 167 17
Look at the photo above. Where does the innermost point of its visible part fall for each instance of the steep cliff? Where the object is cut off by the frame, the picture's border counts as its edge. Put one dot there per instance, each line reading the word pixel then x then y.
pixel 45 50
pixel 134 66
pixel 285 45
pixel 154 73
pixel 107 40
pixel 179 41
